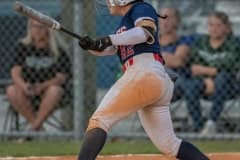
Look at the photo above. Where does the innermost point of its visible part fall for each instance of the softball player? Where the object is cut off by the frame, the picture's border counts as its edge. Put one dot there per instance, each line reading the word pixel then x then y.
pixel 145 87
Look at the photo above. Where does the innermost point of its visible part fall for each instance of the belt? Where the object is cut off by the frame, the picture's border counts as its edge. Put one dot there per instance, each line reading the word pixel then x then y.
pixel 130 61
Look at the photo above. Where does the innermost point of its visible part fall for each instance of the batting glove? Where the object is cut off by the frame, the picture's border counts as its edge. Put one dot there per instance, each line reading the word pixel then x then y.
pixel 100 44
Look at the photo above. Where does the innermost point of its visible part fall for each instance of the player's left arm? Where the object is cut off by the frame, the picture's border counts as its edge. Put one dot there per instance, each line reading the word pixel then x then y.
pixel 132 36
pixel 144 18
pixel 144 31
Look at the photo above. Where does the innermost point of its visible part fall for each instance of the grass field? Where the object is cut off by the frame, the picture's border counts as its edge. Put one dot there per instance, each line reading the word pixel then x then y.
pixel 54 148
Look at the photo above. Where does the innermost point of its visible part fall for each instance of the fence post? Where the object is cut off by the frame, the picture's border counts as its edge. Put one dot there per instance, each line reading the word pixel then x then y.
pixel 89 68
pixel 78 71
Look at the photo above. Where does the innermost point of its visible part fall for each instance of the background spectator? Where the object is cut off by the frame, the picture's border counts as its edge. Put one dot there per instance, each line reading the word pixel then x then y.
pixel 40 73
pixel 174 48
pixel 213 70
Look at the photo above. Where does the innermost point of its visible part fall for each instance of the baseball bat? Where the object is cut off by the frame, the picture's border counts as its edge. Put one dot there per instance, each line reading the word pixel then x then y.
pixel 42 18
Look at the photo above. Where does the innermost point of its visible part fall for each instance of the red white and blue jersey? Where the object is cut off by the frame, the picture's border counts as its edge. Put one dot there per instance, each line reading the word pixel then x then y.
pixel 139 11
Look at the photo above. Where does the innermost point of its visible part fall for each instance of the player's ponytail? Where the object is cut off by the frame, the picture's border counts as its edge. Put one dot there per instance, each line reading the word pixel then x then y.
pixel 162 16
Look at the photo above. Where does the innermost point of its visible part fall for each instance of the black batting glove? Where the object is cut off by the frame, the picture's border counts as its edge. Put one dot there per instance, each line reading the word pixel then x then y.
pixel 86 42
pixel 100 44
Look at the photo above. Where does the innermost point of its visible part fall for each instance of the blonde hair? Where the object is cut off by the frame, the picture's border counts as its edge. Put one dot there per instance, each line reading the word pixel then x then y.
pixel 55 42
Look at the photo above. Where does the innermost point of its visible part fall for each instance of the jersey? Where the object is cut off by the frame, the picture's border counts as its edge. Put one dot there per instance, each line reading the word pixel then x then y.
pixel 137 12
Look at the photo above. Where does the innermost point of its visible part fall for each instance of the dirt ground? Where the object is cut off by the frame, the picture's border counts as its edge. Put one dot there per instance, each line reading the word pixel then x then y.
pixel 212 156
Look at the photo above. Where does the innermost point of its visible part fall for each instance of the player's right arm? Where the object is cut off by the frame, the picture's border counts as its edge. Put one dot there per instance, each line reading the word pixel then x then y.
pixel 106 45
pixel 144 31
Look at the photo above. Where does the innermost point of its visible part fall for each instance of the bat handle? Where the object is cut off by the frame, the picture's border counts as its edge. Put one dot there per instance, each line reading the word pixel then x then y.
pixel 71 33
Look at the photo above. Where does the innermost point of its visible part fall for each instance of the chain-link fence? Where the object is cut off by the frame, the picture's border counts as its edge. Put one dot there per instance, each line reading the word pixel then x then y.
pixel 89 77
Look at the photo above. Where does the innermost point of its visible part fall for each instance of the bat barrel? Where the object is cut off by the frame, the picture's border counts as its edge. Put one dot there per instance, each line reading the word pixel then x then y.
pixel 36 15
pixel 40 17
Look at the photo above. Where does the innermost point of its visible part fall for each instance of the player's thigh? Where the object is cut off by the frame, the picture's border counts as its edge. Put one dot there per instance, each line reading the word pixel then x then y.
pixel 129 94
pixel 156 120
pixel 157 113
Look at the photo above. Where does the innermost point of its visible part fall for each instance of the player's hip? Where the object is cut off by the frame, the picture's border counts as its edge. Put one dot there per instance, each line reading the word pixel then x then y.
pixel 149 74
pixel 146 63
pixel 143 60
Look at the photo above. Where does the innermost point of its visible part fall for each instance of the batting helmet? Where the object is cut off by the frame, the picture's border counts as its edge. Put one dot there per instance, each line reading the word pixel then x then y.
pixel 119 2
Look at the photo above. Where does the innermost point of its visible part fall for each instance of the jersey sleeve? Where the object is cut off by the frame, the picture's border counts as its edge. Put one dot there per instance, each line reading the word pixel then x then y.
pixel 143 11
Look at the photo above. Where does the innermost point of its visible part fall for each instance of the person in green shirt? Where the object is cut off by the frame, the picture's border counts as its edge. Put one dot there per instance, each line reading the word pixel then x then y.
pixel 214 64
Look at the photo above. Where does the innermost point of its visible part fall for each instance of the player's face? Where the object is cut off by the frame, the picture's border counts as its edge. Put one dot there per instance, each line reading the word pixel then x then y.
pixel 169 24
pixel 39 32
pixel 216 28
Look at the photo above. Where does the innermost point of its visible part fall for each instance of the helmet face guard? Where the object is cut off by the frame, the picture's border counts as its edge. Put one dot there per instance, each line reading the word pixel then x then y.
pixel 119 2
